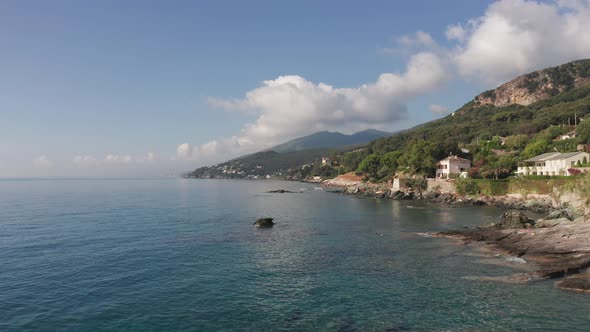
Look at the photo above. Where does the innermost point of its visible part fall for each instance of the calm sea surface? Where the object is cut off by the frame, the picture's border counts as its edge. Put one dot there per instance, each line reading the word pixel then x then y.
pixel 176 254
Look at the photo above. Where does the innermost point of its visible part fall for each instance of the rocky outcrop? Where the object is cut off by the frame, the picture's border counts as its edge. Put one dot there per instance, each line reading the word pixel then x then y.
pixel 264 222
pixel 578 282
pixel 561 251
pixel 538 85
pixel 513 220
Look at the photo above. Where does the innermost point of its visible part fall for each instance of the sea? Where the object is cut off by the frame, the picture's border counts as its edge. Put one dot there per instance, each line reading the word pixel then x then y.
pixel 184 255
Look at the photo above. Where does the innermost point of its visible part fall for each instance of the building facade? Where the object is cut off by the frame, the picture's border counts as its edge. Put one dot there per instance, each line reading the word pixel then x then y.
pixel 553 163
pixel 452 165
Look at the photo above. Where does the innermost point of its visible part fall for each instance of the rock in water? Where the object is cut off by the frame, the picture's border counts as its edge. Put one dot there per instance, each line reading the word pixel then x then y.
pixel 579 282
pixel 513 220
pixel 264 222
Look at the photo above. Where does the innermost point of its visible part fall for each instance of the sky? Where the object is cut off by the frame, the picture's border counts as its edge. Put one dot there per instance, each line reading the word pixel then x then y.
pixel 157 88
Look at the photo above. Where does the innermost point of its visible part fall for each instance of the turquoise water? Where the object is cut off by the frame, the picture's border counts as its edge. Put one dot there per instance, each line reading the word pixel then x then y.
pixel 178 254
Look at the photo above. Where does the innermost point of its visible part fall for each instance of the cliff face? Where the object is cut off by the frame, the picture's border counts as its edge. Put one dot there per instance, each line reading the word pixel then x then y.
pixel 538 85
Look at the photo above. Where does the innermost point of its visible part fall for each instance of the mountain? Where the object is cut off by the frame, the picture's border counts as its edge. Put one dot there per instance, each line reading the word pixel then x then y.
pixel 326 139
pixel 286 159
pixel 496 130
pixel 538 85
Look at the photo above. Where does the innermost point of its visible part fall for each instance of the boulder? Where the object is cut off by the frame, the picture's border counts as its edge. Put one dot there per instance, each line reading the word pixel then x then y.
pixel 513 220
pixel 558 214
pixel 579 283
pixel 547 223
pixel 264 222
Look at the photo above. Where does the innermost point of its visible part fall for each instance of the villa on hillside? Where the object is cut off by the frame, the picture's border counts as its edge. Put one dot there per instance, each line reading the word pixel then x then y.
pixel 452 165
pixel 570 135
pixel 553 163
pixel 326 162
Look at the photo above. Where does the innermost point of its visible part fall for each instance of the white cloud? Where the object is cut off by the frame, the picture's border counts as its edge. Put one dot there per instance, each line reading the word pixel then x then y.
pixel 418 39
pixel 517 36
pixel 42 162
pixel 183 151
pixel 456 32
pixel 85 160
pixel 291 106
pixel 438 109
pixel 118 159
pixel 410 44
pixel 511 38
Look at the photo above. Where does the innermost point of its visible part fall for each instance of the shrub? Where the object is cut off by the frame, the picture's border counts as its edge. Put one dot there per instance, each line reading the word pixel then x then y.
pixel 574 171
pixel 467 187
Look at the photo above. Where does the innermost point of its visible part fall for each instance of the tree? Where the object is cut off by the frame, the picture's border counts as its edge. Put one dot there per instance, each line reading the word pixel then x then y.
pixel 391 160
pixel 517 142
pixel 370 165
pixel 583 131
pixel 419 158
pixel 536 148
pixel 498 168
pixel 351 160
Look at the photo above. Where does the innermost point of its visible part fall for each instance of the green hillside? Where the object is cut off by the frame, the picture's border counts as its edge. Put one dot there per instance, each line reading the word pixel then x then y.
pixel 528 131
pixel 496 130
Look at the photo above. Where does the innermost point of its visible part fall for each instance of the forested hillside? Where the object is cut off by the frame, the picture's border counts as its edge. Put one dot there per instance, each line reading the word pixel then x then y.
pixel 496 138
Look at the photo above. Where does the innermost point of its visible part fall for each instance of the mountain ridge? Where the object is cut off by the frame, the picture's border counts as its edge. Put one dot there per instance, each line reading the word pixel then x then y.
pixel 328 139
pixel 538 85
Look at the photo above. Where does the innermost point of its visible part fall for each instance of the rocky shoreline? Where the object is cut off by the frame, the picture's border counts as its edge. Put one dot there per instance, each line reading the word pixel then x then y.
pixel 538 204
pixel 556 246
pixel 561 251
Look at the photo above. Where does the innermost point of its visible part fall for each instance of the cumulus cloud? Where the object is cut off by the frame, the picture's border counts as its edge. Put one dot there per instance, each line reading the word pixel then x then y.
pixel 517 36
pixel 42 162
pixel 512 37
pixel 291 106
pixel 84 160
pixel 438 109
pixel 117 159
pixel 409 44
pixel 456 32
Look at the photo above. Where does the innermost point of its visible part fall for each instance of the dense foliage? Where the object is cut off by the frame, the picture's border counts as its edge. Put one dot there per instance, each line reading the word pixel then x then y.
pixel 496 138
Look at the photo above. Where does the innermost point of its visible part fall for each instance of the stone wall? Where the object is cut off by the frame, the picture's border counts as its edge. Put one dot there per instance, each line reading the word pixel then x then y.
pixel 441 185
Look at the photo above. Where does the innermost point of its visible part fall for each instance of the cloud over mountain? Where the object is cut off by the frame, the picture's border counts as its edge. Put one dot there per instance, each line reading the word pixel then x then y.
pixel 511 38
pixel 517 36
pixel 290 106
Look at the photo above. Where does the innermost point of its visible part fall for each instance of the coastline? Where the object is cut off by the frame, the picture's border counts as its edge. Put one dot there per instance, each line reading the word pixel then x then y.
pixel 556 246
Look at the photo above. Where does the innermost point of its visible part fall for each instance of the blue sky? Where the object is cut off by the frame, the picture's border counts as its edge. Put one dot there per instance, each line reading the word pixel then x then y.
pixel 90 88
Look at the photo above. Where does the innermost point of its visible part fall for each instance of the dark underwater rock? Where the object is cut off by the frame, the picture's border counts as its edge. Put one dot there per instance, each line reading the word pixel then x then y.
pixel 264 222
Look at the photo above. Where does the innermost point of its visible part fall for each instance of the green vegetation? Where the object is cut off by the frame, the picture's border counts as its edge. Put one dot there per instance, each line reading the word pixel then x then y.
pixel 495 139
pixel 526 131
pixel 467 187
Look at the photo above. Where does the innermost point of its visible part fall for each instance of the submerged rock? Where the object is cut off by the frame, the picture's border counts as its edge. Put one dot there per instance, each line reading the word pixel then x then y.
pixel 279 191
pixel 264 222
pixel 579 283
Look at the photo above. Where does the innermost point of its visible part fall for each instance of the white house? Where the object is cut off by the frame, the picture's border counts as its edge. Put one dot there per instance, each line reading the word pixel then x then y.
pixel 452 165
pixel 552 163
pixel 570 135
pixel 326 162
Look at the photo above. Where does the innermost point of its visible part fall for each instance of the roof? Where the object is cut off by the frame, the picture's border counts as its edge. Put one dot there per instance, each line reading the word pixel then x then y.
pixel 456 158
pixel 553 156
